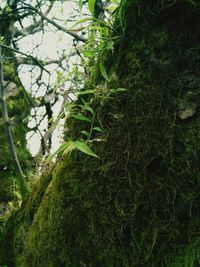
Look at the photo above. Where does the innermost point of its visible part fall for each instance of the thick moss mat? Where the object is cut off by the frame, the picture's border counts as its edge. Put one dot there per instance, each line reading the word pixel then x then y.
pixel 138 205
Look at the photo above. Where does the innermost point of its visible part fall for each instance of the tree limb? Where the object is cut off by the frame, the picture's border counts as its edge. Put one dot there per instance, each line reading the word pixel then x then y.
pixel 7 123
pixel 59 27
pixel 34 28
pixel 38 63
pixel 44 17
pixel 50 131
pixel 25 61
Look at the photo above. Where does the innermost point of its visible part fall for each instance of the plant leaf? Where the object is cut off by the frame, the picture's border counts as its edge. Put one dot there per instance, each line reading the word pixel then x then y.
pixel 86 92
pixel 87 107
pixel 59 150
pixel 103 71
pixel 79 22
pixel 121 90
pixel 81 117
pixel 88 53
pixel 80 4
pixel 98 129
pixel 70 147
pixel 85 133
pixel 118 90
pixel 97 28
pixel 18 195
pixel 91 5
pixel 83 147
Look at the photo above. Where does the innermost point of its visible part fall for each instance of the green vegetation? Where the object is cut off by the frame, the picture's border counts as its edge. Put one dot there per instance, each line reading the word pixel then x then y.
pixel 138 203
pixel 10 181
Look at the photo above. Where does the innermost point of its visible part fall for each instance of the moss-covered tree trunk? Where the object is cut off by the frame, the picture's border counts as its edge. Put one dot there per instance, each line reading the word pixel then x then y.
pixel 138 205
pixel 14 109
pixel 13 126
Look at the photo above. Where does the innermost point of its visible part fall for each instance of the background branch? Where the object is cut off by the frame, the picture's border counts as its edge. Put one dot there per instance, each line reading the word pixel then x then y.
pixel 73 34
pixel 38 63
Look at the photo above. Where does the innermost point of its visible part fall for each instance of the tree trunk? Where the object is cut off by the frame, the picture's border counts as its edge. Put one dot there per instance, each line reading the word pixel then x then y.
pixel 138 205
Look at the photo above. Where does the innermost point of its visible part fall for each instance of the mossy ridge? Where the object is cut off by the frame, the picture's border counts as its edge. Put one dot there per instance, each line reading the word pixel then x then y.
pixel 137 205
pixel 17 227
pixel 19 105
pixel 12 187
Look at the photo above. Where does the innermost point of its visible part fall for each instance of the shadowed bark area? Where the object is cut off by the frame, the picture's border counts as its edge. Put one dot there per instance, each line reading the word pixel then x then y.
pixel 138 204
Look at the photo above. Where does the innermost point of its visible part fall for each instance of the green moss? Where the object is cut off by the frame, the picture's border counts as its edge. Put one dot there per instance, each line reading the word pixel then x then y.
pixel 9 71
pixel 12 237
pixel 138 204
pixel 18 109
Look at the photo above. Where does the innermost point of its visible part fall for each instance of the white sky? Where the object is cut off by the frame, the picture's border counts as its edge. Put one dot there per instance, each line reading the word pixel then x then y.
pixel 50 44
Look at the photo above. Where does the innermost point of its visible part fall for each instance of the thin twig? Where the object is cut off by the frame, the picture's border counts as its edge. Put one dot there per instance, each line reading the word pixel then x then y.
pixel 28 56
pixel 59 27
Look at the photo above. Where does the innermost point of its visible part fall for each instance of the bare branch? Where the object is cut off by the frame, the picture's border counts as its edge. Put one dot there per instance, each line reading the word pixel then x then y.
pixel 33 28
pixel 44 17
pixel 38 63
pixel 29 61
pixel 59 27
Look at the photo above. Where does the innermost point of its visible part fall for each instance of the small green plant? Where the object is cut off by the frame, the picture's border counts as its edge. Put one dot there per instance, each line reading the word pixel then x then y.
pixel 69 146
pixel 99 43
pixel 77 113
pixel 87 108
pixel 100 39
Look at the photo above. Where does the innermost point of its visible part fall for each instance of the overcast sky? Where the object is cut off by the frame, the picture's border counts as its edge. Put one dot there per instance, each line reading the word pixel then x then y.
pixel 46 45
